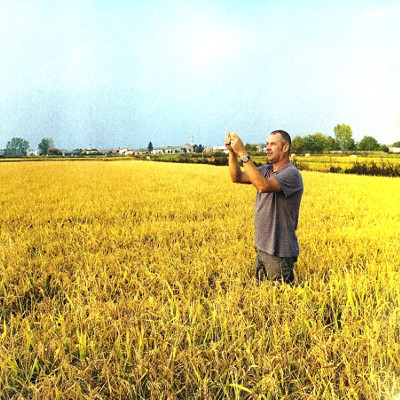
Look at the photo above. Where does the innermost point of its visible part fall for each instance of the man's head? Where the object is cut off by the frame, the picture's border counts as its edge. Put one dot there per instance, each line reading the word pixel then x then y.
pixel 285 137
pixel 278 146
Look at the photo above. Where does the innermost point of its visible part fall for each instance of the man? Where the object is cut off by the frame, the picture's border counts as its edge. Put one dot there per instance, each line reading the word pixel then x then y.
pixel 279 190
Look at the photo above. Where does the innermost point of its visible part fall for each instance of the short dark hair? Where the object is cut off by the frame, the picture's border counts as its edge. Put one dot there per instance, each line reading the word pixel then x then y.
pixel 285 136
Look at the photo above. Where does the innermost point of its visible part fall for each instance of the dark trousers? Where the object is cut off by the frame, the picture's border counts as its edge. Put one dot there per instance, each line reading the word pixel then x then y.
pixel 273 268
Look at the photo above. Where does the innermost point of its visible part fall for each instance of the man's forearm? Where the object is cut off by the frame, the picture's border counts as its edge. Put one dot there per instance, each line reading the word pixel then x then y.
pixel 259 181
pixel 256 178
pixel 234 167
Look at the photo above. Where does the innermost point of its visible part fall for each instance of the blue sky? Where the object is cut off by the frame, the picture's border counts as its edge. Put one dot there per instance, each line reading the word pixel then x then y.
pixel 123 73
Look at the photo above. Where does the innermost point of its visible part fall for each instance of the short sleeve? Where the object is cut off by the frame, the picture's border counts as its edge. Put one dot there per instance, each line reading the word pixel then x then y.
pixel 290 180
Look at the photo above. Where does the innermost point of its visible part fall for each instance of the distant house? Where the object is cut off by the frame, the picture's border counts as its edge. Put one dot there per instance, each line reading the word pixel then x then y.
pixel 176 149
pixel 121 151
pixel 140 151
pixel 188 148
pixel 32 152
pixel 222 149
pixel 168 150
pixel 213 149
pixel 124 151
pixel 394 149
pixel 90 152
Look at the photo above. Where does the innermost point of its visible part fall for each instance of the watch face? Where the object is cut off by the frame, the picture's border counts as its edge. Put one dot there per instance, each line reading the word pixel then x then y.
pixel 245 158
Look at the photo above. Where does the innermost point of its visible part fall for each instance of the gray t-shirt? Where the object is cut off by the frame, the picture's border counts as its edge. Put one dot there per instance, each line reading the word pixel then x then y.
pixel 276 214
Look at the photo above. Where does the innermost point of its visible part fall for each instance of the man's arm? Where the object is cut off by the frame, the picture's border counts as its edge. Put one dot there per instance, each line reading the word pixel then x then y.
pixel 237 175
pixel 259 181
pixel 251 174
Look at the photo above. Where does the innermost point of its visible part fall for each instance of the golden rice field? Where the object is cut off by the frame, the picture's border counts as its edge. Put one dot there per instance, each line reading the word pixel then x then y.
pixel 134 280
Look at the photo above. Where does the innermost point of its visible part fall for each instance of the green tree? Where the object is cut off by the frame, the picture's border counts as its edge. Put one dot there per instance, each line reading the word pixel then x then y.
pixel 384 148
pixel 330 144
pixel 396 144
pixel 315 142
pixel 250 147
pixel 45 145
pixel 344 137
pixel 368 143
pixel 16 147
pixel 297 144
pixel 198 148
pixel 150 147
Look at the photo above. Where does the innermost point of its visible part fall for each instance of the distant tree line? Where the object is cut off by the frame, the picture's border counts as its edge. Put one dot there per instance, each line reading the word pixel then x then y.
pixel 342 141
pixel 18 147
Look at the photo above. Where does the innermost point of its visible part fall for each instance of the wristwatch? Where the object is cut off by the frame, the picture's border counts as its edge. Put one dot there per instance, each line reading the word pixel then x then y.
pixel 245 159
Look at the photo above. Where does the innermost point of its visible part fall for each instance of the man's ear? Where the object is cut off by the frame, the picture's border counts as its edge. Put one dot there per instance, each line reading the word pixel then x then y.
pixel 286 147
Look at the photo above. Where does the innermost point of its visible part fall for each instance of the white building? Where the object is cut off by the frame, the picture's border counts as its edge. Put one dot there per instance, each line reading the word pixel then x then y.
pixel 222 149
pixel 123 151
pixel 168 150
pixel 188 148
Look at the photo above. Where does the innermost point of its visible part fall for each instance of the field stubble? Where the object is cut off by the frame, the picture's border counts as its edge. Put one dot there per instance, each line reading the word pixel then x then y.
pixel 135 280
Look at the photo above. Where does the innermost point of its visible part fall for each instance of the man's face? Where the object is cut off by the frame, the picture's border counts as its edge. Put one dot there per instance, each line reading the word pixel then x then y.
pixel 275 148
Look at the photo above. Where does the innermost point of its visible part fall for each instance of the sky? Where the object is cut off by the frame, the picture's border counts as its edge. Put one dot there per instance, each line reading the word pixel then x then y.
pixel 122 73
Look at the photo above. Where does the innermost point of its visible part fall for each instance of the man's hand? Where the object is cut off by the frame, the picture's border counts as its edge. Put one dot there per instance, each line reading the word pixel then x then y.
pixel 228 141
pixel 237 144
